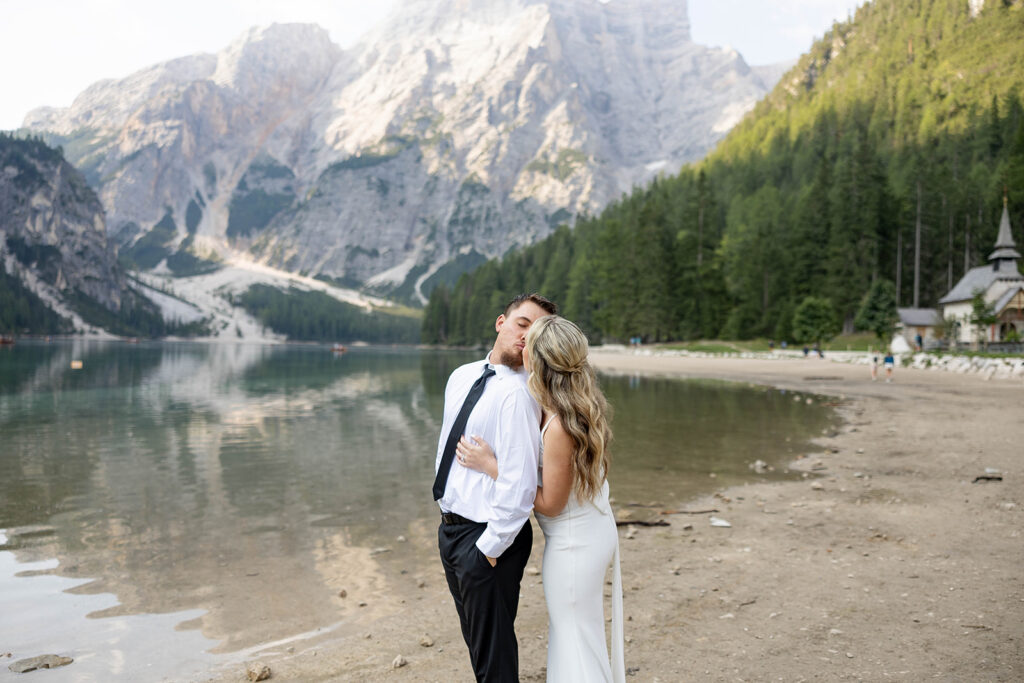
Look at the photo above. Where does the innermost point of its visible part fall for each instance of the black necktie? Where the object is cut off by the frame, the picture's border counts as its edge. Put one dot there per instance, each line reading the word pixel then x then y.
pixel 441 478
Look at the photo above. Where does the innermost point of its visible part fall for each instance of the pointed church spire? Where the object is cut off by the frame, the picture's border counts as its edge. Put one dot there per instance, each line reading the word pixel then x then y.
pixel 1006 248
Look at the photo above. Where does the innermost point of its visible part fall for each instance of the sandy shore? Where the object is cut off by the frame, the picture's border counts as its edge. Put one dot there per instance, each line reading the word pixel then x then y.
pixel 885 563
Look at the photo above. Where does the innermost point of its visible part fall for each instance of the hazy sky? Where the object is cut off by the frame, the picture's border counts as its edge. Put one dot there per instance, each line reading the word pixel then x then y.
pixel 51 50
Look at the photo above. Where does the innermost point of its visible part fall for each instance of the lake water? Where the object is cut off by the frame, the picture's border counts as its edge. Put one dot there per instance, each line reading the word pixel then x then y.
pixel 167 503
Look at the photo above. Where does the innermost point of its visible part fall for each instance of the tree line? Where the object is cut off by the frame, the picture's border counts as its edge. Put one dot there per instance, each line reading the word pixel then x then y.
pixel 315 316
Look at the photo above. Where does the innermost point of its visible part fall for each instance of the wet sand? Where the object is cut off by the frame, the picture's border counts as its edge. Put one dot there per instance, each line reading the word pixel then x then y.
pixel 885 563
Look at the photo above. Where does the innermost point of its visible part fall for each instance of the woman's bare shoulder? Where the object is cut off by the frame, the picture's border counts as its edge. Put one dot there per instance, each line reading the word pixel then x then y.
pixel 555 434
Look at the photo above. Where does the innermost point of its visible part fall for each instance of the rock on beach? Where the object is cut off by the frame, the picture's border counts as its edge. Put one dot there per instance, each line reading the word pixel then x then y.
pixel 23 666
pixel 257 672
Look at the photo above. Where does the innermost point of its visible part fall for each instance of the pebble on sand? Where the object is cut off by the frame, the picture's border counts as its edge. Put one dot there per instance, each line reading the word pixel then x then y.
pixel 717 521
pixel 23 666
pixel 426 641
pixel 257 672
pixel 399 662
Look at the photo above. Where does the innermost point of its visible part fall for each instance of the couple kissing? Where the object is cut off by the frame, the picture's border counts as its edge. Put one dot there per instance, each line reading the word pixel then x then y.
pixel 526 428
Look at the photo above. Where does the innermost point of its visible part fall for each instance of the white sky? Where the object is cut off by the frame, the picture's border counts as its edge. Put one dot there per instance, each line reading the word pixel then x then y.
pixel 51 50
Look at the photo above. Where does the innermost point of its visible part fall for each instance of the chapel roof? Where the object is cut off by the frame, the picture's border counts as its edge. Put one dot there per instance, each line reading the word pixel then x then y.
pixel 1002 265
pixel 1006 248
pixel 975 279
pixel 1001 302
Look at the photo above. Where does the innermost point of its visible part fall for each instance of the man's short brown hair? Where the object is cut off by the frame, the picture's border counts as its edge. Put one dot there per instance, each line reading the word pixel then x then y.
pixel 549 306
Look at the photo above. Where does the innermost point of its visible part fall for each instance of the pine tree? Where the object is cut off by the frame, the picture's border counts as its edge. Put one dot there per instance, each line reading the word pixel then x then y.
pixel 815 321
pixel 877 312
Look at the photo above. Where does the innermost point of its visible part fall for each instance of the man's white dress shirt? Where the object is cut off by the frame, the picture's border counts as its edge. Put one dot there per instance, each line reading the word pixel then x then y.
pixel 508 418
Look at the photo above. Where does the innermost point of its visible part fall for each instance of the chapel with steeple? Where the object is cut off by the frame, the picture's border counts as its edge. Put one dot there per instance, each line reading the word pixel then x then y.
pixel 1002 287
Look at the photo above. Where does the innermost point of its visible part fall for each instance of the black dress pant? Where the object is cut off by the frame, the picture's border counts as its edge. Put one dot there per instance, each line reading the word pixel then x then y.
pixel 486 597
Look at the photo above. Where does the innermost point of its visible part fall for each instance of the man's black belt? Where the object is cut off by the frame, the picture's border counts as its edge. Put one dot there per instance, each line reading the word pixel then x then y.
pixel 452 518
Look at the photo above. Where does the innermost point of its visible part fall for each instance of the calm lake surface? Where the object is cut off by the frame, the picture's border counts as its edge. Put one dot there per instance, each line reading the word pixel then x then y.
pixel 166 503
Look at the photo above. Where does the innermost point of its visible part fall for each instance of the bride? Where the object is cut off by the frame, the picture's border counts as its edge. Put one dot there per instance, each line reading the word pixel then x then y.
pixel 580 538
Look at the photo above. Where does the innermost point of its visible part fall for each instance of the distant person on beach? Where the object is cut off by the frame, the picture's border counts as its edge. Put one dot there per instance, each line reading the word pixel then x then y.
pixel 485 536
pixel 890 363
pixel 572 506
pixel 874 367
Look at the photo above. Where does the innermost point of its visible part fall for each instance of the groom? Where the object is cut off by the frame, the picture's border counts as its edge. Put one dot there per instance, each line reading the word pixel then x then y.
pixel 485 536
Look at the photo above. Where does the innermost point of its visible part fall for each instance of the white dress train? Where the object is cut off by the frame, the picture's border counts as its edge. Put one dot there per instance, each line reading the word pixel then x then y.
pixel 579 544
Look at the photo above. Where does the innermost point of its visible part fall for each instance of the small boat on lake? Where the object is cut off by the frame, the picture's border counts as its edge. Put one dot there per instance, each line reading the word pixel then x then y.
pixel 5 340
pixel 339 348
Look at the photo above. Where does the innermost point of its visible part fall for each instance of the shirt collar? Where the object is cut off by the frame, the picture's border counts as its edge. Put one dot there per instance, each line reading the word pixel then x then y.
pixel 502 370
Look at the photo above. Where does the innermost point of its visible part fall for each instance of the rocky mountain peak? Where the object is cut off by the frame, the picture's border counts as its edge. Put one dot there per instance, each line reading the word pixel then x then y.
pixel 455 130
pixel 300 53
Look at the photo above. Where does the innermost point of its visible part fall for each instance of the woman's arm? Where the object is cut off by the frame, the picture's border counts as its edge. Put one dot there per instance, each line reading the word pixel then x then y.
pixel 553 494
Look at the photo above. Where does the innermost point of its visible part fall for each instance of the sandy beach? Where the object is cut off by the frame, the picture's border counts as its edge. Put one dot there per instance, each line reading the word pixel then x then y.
pixel 886 562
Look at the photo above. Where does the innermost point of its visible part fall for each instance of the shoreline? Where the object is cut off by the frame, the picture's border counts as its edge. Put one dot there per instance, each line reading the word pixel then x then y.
pixel 886 562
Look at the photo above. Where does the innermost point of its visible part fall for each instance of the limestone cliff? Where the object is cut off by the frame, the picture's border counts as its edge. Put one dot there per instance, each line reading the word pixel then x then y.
pixel 52 232
pixel 458 128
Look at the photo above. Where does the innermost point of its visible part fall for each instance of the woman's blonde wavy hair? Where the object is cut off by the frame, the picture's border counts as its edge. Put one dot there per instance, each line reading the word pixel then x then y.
pixel 564 383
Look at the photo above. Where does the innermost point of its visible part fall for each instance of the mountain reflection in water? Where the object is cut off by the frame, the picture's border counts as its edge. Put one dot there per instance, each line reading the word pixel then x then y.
pixel 246 486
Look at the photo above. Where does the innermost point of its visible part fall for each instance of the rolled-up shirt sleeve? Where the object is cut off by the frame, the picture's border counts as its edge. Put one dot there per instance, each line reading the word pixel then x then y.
pixel 516 446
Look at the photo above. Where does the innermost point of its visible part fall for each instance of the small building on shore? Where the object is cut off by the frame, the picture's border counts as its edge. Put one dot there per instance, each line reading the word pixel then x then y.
pixel 1002 287
pixel 925 323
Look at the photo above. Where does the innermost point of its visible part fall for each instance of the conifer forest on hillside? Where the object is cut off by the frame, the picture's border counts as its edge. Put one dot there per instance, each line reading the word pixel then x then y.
pixel 884 153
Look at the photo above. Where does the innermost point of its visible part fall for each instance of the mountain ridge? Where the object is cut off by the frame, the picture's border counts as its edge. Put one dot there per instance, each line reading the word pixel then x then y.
pixel 377 165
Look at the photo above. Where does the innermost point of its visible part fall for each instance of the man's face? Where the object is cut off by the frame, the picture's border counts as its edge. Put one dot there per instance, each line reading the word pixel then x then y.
pixel 508 347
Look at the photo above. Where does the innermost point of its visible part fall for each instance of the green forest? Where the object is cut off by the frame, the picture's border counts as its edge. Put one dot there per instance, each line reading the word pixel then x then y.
pixel 22 310
pixel 315 316
pixel 883 155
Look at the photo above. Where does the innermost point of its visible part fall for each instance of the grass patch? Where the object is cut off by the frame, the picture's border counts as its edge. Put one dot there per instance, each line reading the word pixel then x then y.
pixel 252 211
pixel 151 248
pixel 184 263
pixel 193 214
pixel 562 166
pixel 858 341
pixel 703 346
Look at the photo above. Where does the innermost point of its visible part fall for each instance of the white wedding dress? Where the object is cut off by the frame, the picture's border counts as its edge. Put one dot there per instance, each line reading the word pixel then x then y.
pixel 579 544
